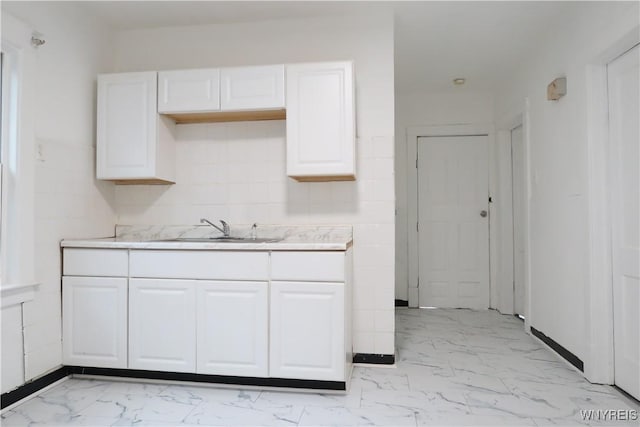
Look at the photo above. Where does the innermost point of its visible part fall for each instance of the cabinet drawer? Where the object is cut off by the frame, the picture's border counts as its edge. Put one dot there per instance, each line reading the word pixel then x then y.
pixel 95 262
pixel 200 265
pixel 313 266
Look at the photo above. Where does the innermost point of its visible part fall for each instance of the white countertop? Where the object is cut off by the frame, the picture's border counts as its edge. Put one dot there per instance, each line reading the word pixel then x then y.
pixel 298 238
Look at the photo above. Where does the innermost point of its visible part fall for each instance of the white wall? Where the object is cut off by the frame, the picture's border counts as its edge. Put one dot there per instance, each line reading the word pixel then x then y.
pixel 69 202
pixel 558 158
pixel 425 109
pixel 236 171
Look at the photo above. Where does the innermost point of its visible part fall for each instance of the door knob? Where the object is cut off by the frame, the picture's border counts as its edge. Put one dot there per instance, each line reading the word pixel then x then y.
pixel 483 214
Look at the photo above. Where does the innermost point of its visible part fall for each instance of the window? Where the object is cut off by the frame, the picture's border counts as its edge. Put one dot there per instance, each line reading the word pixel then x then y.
pixel 17 163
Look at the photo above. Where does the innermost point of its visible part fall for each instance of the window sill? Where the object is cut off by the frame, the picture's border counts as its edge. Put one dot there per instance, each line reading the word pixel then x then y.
pixel 17 294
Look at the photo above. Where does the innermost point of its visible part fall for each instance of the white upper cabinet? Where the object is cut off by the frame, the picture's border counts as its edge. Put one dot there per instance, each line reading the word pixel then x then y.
pixel 252 88
pixel 321 122
pixel 184 91
pixel 134 144
pixel 137 114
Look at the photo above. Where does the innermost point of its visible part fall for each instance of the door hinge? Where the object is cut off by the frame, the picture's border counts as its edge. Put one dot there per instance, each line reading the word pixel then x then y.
pixel 417 226
pixel 416 163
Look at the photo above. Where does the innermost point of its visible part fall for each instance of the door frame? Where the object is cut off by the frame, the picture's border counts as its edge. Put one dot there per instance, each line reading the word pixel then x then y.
pixel 599 302
pixel 504 208
pixel 524 222
pixel 413 133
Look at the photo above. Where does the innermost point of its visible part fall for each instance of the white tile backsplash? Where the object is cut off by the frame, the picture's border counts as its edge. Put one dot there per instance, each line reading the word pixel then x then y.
pixel 237 172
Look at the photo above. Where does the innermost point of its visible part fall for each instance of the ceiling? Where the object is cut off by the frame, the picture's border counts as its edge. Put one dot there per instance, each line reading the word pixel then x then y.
pixel 434 41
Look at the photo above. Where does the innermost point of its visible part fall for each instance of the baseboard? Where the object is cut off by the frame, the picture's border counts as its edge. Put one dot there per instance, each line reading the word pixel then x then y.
pixel 563 352
pixel 33 386
pixel 211 379
pixel 374 359
pixel 402 303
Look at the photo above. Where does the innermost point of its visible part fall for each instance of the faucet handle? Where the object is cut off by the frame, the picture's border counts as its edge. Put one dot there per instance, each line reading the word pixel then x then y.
pixel 225 227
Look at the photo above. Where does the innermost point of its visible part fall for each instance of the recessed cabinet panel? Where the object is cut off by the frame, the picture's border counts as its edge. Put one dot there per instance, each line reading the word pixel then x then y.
pixel 184 91
pixel 94 331
pixel 233 328
pixel 252 88
pixel 162 325
pixel 320 121
pixel 307 331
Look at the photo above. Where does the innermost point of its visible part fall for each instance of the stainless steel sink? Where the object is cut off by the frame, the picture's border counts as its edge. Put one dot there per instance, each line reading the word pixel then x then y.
pixel 222 240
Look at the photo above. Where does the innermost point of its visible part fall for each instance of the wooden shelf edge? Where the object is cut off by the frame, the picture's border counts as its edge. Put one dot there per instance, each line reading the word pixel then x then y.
pixel 323 178
pixel 227 116
pixel 148 181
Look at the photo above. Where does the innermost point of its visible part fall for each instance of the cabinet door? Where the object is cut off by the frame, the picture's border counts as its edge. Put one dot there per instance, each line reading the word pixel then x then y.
pixel 252 88
pixel 126 125
pixel 232 328
pixel 320 121
pixel 184 91
pixel 307 331
pixel 162 325
pixel 94 313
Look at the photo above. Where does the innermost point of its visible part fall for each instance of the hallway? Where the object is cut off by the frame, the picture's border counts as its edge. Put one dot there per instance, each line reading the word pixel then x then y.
pixel 454 367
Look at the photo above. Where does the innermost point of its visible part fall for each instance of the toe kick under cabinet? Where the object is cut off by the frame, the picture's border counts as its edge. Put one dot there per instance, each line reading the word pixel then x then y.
pixel 258 314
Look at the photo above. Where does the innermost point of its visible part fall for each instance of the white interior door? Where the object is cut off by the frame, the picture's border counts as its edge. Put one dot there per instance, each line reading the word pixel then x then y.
pixel 518 199
pixel 453 222
pixel 624 137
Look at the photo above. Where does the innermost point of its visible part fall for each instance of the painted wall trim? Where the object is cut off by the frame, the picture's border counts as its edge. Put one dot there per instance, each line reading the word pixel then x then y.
pixel 566 354
pixel 17 294
pixel 374 359
pixel 599 300
pixel 413 133
pixel 34 386
pixel 205 378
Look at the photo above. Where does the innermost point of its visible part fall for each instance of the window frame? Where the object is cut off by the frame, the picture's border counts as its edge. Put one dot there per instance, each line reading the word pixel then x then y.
pixel 17 209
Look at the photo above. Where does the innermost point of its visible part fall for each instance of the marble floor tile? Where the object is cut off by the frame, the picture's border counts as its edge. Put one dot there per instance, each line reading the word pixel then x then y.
pixel 453 368
pixel 461 381
pixel 275 398
pixel 440 404
pixel 379 378
pixel 139 407
pixel 520 405
pixel 244 414
pixel 430 419
pixel 340 416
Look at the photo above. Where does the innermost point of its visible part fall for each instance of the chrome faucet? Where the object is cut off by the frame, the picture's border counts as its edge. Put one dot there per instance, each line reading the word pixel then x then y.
pixel 225 230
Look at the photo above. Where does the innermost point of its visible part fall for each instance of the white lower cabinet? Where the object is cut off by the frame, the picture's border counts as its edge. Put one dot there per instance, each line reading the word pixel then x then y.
pixel 162 325
pixel 307 331
pixel 94 331
pixel 282 314
pixel 232 328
